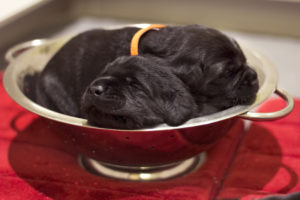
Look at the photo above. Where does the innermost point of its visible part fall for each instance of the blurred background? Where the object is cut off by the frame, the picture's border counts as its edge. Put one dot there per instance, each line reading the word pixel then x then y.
pixel 269 26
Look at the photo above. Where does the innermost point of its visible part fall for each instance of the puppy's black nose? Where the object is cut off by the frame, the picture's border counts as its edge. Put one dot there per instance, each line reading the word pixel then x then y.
pixel 250 77
pixel 96 90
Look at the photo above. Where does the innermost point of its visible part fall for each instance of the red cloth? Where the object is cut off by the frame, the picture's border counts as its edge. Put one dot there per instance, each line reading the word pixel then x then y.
pixel 36 164
pixel 268 160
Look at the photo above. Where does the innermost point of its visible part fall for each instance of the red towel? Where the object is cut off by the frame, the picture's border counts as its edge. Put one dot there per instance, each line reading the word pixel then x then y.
pixel 36 164
pixel 268 160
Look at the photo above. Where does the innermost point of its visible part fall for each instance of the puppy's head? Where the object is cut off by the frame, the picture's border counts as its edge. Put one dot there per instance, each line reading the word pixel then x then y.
pixel 214 67
pixel 227 80
pixel 136 92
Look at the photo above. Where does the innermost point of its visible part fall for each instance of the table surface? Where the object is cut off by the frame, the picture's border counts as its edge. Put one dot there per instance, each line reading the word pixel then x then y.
pixel 11 8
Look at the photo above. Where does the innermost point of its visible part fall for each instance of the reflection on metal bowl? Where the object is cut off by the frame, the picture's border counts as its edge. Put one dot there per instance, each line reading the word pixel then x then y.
pixel 161 152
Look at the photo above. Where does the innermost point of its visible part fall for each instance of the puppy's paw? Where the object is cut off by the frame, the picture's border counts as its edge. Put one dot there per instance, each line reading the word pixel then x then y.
pixel 178 106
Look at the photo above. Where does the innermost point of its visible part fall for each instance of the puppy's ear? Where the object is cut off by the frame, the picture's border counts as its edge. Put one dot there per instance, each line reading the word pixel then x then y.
pixel 172 99
pixel 177 106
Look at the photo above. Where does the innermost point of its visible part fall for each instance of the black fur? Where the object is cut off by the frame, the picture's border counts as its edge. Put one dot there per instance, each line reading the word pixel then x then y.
pixel 181 72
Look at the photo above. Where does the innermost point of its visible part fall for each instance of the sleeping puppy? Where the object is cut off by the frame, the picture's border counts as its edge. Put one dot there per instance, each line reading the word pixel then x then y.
pixel 182 72
pixel 136 92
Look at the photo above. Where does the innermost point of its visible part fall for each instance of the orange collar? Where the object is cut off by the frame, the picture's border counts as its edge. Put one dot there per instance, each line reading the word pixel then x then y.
pixel 134 47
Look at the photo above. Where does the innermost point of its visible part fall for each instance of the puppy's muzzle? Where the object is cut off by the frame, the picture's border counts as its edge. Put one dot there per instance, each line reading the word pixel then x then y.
pixel 103 94
pixel 249 78
pixel 100 86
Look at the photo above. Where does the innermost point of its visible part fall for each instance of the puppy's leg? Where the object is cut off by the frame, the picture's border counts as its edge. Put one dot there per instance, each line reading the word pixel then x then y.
pixel 52 94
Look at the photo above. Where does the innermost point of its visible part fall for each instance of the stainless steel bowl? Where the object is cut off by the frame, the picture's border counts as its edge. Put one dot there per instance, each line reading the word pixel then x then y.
pixel 156 153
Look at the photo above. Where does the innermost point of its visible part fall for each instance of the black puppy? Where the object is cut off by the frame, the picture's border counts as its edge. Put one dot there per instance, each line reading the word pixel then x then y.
pixel 183 72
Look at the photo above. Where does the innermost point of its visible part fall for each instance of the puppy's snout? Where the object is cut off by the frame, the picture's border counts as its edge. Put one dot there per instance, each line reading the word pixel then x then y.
pixel 96 90
pixel 250 77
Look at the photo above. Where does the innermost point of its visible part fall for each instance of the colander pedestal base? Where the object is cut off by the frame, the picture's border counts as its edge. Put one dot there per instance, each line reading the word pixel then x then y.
pixel 142 173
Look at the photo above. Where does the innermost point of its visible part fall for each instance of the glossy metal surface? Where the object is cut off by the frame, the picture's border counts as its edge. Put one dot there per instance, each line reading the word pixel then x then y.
pixel 273 115
pixel 149 148
pixel 141 148
pixel 162 172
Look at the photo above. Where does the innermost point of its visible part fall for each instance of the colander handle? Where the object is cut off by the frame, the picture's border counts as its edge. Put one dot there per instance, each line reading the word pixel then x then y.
pixel 273 115
pixel 18 49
